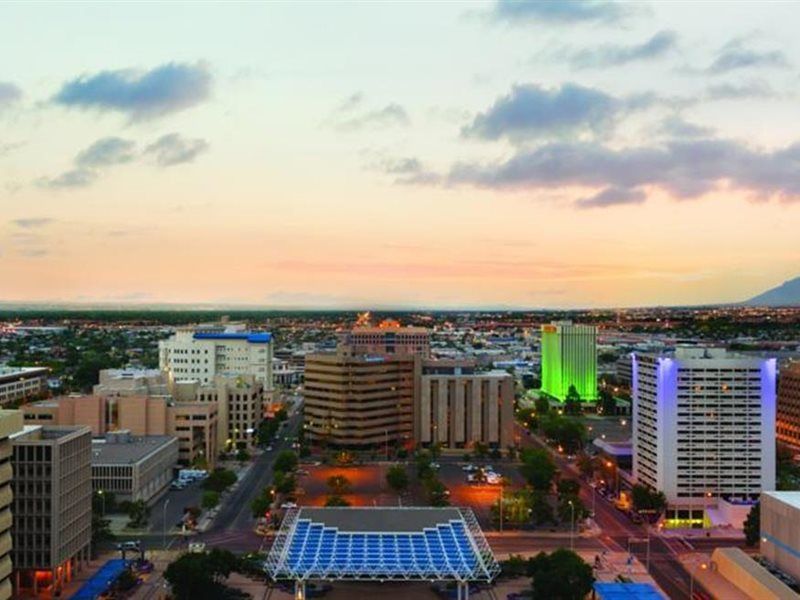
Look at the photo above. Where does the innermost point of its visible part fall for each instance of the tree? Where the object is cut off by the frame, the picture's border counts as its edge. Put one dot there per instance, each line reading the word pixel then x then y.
pixel 542 405
pixel 219 480
pixel 285 483
pixel 436 491
pixel 538 469
pixel 285 461
pixel 607 404
pixel 560 575
pixel 566 510
pixel 646 499
pixel 572 403
pixel 199 575
pixel 242 455
pixel 423 461
pixel 397 478
pixel 261 503
pixel 541 511
pixel 481 450
pixel 752 525
pixel 339 484
pixel 567 433
pixel 101 532
pixel 138 513
pixel 335 500
pixel 210 499
pixel 587 464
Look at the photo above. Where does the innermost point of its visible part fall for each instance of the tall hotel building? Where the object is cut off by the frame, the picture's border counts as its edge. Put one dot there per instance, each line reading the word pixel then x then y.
pixel 387 338
pixel 203 352
pixel 704 432
pixel 360 400
pixel 569 358
pixel 10 423
pixel 788 425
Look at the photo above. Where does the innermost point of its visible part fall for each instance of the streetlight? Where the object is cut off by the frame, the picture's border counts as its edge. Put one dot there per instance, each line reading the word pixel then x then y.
pixel 164 524
pixel 703 566
pixel 572 526
pixel 103 498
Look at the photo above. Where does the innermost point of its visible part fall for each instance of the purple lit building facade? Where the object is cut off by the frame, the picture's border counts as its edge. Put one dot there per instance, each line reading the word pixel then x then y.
pixel 704 432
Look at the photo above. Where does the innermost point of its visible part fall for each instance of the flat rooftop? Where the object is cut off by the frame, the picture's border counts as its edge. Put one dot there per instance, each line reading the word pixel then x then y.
pixel 400 520
pixel 790 498
pixel 128 452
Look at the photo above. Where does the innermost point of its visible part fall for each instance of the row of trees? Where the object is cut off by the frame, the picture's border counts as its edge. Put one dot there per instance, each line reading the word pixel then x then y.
pixel 284 482
pixel 435 491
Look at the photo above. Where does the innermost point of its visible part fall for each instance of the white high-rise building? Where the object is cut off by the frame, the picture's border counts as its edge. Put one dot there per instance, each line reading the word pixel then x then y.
pixel 704 431
pixel 203 352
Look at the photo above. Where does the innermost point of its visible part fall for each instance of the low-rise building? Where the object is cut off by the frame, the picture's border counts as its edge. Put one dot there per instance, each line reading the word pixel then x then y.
pixel 780 531
pixel 52 507
pixel 133 468
pixel 10 423
pixel 21 383
pixel 193 423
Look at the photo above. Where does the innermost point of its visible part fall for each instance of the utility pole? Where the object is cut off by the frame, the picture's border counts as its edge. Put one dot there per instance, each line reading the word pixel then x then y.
pixel 164 524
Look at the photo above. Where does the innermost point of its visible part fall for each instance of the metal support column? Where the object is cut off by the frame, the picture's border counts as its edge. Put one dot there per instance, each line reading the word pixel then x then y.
pixel 300 590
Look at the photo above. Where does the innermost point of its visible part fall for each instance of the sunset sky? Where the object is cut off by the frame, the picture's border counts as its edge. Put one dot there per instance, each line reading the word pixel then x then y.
pixel 399 154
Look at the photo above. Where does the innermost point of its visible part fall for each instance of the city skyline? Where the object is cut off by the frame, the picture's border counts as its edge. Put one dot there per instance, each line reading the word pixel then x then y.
pixel 462 155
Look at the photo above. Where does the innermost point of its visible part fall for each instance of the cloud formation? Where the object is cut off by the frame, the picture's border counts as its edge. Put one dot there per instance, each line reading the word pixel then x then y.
pixel 559 11
pixel 532 110
pixel 391 115
pixel 32 222
pixel 734 55
pixel 614 55
pixel 9 94
pixel 174 149
pixel 677 126
pixel 684 169
pixel 73 179
pixel 612 196
pixel 107 151
pixel 142 95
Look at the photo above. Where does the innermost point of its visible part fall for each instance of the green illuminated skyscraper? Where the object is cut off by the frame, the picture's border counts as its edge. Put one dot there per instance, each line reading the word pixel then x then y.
pixel 569 357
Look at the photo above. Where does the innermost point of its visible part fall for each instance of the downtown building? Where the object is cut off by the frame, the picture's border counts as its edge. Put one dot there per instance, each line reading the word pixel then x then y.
pixel 21 383
pixel 387 338
pixel 369 401
pixel 10 423
pixel 205 351
pixel 788 414
pixel 359 401
pixel 569 358
pixel 459 406
pixel 52 507
pixel 704 432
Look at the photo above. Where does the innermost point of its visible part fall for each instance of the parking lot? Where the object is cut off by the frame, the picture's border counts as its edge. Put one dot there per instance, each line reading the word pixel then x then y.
pixel 368 486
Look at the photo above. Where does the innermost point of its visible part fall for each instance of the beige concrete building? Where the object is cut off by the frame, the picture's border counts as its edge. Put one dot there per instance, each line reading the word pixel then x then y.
pixel 10 423
pixel 52 508
pixel 459 406
pixel 21 383
pixel 780 530
pixel 132 382
pixel 359 400
pixel 133 468
pixel 193 423
pixel 787 419
pixel 387 338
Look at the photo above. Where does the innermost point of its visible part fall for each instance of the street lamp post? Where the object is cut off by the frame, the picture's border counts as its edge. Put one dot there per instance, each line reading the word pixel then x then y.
pixel 103 499
pixel 164 524
pixel 692 572
pixel 572 526
pixel 501 507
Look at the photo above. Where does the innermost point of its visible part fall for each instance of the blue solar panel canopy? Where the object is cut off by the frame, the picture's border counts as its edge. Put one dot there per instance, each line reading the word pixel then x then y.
pixel 102 580
pixel 383 544
pixel 626 591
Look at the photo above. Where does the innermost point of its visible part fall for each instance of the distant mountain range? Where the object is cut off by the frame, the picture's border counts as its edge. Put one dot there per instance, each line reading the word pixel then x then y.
pixel 786 294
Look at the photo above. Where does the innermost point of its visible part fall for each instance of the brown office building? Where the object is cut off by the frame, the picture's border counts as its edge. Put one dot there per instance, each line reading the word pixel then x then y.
pixel 788 413
pixel 387 338
pixel 358 401
pixel 52 507
pixel 10 423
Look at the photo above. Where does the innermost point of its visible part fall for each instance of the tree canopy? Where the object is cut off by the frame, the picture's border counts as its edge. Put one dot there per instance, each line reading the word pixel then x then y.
pixel 560 575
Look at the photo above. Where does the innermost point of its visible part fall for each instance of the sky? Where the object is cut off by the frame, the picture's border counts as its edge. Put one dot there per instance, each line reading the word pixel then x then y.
pixel 399 154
